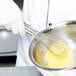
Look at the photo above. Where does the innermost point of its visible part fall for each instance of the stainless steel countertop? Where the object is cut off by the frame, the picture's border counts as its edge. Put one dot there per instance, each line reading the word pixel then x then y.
pixel 19 71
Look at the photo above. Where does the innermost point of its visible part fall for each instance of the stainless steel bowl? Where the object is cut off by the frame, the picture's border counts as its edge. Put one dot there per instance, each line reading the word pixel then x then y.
pixel 66 29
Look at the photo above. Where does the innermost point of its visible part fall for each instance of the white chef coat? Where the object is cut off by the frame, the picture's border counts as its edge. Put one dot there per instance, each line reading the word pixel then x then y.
pixel 36 12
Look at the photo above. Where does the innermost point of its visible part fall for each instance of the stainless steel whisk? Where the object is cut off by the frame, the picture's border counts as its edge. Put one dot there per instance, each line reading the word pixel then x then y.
pixel 60 46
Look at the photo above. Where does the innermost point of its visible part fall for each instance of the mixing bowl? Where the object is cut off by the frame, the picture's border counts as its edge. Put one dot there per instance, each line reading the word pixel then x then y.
pixel 65 30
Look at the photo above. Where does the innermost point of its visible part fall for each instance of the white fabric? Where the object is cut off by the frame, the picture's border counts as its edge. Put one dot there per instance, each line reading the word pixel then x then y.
pixel 62 10
pixel 36 14
pixel 11 17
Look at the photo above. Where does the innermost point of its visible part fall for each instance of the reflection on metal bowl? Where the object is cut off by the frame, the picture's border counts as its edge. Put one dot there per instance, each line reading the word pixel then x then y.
pixel 65 30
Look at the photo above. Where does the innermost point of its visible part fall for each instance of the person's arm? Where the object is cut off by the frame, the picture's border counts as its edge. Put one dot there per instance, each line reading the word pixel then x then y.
pixel 11 17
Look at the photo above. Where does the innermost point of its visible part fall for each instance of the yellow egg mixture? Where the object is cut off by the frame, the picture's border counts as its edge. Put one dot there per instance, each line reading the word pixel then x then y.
pixel 52 61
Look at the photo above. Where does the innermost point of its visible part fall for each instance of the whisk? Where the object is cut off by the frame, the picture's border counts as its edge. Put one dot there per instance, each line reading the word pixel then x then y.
pixel 58 47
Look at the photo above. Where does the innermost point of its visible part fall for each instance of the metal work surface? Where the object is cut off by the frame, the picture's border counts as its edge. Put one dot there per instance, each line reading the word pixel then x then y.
pixel 19 71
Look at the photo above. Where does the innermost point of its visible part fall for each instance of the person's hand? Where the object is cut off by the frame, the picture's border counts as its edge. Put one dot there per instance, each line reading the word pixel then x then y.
pixel 11 17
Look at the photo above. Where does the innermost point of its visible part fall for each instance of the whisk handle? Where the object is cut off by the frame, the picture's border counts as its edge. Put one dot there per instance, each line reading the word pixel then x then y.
pixel 30 31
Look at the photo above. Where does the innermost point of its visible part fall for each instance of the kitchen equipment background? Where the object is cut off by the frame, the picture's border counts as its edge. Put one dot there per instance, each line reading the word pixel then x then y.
pixel 8 44
pixel 8 47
